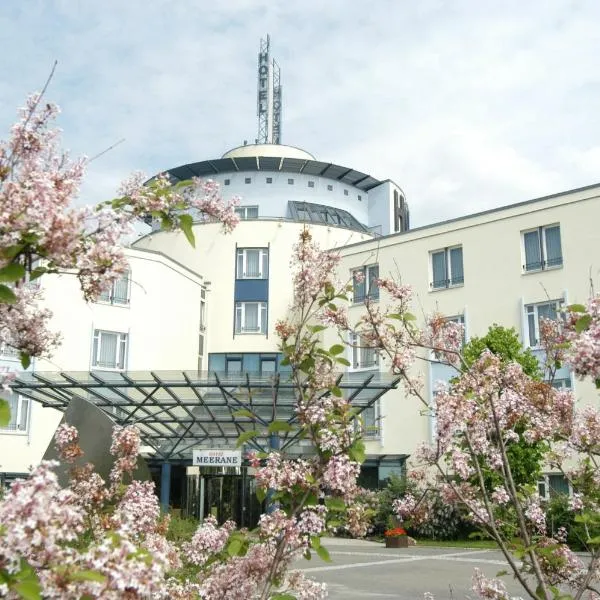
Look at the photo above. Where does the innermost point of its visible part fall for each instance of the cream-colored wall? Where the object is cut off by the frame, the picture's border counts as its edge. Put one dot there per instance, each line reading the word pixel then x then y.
pixel 495 287
pixel 214 257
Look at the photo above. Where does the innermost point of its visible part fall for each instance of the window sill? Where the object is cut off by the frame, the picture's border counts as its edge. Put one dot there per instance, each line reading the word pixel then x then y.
pixel 362 369
pixel 117 304
pixel 359 302
pixel 449 287
pixel 250 333
pixel 537 271
pixel 15 432
pixel 110 369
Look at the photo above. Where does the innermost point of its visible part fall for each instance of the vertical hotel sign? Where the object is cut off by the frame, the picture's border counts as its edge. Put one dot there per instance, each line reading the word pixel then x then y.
pixel 263 81
pixel 217 458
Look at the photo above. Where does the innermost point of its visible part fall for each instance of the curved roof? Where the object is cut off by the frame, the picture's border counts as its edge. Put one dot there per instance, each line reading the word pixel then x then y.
pixel 268 150
pixel 243 163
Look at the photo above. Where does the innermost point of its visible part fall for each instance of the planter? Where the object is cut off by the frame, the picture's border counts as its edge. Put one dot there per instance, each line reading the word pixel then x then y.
pixel 400 541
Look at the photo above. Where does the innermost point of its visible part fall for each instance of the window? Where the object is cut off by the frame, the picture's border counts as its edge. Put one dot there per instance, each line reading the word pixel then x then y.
pixel 365 283
pixel 562 383
pixel 233 364
pixel 311 184
pixel 227 182
pixel 252 263
pixel 359 198
pixel 542 248
pixel 248 180
pixel 363 357
pixel 330 188
pixel 268 366
pixel 290 181
pixel 447 267
pixel 553 484
pixel 118 292
pixel 269 180
pixel 460 320
pixel 247 212
pixel 19 414
pixel 320 213
pixel 370 422
pixel 7 351
pixel 251 317
pixel 202 314
pixel 345 192
pixel 109 349
pixel 536 312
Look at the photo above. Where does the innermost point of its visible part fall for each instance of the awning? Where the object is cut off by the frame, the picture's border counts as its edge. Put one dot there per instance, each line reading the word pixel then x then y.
pixel 177 411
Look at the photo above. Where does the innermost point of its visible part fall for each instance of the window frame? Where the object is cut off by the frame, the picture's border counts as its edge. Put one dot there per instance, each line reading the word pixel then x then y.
pixel 17 415
pixel 242 212
pixel 112 298
pixel 240 318
pixel 263 263
pixel 371 289
pixel 533 309
pixel 311 184
pixel 358 352
pixel 122 350
pixel 449 280
pixel 8 352
pixel 542 242
pixel 371 432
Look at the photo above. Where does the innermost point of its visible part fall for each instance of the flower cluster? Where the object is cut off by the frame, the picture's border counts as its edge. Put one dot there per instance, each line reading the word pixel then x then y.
pixel 395 532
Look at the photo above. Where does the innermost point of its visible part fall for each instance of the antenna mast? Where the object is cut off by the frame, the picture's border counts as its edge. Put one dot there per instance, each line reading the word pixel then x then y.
pixel 269 96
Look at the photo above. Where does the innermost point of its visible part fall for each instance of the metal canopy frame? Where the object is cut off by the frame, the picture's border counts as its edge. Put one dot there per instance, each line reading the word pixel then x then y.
pixel 177 411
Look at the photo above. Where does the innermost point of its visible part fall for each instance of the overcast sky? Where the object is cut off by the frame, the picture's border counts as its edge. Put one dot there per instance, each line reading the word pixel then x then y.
pixel 466 104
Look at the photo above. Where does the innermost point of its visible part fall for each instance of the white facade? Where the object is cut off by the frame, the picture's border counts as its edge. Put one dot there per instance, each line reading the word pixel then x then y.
pixel 186 306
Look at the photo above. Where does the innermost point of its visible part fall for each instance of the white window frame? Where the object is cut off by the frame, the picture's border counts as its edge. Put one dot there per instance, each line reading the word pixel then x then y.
pixel 372 432
pixel 240 318
pixel 545 481
pixel 23 408
pixel 110 297
pixel 121 350
pixel 263 263
pixel 533 309
pixel 358 353
pixel 460 319
pixel 242 212
pixel 371 292
pixel 448 282
pixel 543 266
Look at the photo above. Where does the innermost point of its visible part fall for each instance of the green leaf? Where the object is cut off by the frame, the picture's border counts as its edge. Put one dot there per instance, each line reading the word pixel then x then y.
pixel 186 223
pixel 502 573
pixel 279 426
pixel 583 323
pixel 323 554
pixel 332 307
pixel 234 547
pixel 578 308
pixel 25 359
pixel 4 412
pixel 335 390
pixel 357 451
pixel 7 296
pixel 244 437
pixel 282 596
pixel 11 251
pixel 244 412
pixel 316 328
pixel 335 504
pixel 307 555
pixel 88 575
pixel 315 541
pixel 261 494
pixel 29 589
pixel 37 272
pixel 342 361
pixel 409 317
pixel 336 349
pixel 12 272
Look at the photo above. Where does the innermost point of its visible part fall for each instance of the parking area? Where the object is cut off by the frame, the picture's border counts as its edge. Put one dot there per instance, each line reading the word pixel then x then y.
pixel 361 569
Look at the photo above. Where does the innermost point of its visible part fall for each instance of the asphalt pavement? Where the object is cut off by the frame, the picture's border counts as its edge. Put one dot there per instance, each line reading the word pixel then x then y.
pixel 362 569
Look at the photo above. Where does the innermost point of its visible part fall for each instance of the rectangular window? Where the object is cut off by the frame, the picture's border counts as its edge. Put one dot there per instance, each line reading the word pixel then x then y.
pixel 247 212
pixel 363 356
pixel 447 267
pixel 370 422
pixel 542 248
pixel 269 180
pixel 252 263
pixel 19 414
pixel 202 315
pixel 109 350
pixel 248 180
pixel 118 292
pixel 460 319
pixel 365 283
pixel 290 181
pixel 251 317
pixel 330 188
pixel 311 184
pixel 7 351
pixel 233 364
pixel 227 182
pixel 359 198
pixel 534 313
pixel 345 192
pixel 268 366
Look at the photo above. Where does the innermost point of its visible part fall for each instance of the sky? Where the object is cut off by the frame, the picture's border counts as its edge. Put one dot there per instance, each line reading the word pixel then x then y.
pixel 466 104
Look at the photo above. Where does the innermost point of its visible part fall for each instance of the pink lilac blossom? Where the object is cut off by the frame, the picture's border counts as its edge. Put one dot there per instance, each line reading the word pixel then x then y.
pixel 207 541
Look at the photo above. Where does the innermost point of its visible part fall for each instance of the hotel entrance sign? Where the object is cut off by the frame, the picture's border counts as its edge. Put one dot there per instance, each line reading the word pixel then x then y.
pixel 217 458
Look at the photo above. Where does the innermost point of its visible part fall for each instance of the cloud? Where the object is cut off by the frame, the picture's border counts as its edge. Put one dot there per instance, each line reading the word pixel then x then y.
pixel 466 105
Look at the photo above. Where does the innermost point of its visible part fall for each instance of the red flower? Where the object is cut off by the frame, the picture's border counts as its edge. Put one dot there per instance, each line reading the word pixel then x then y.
pixel 396 532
